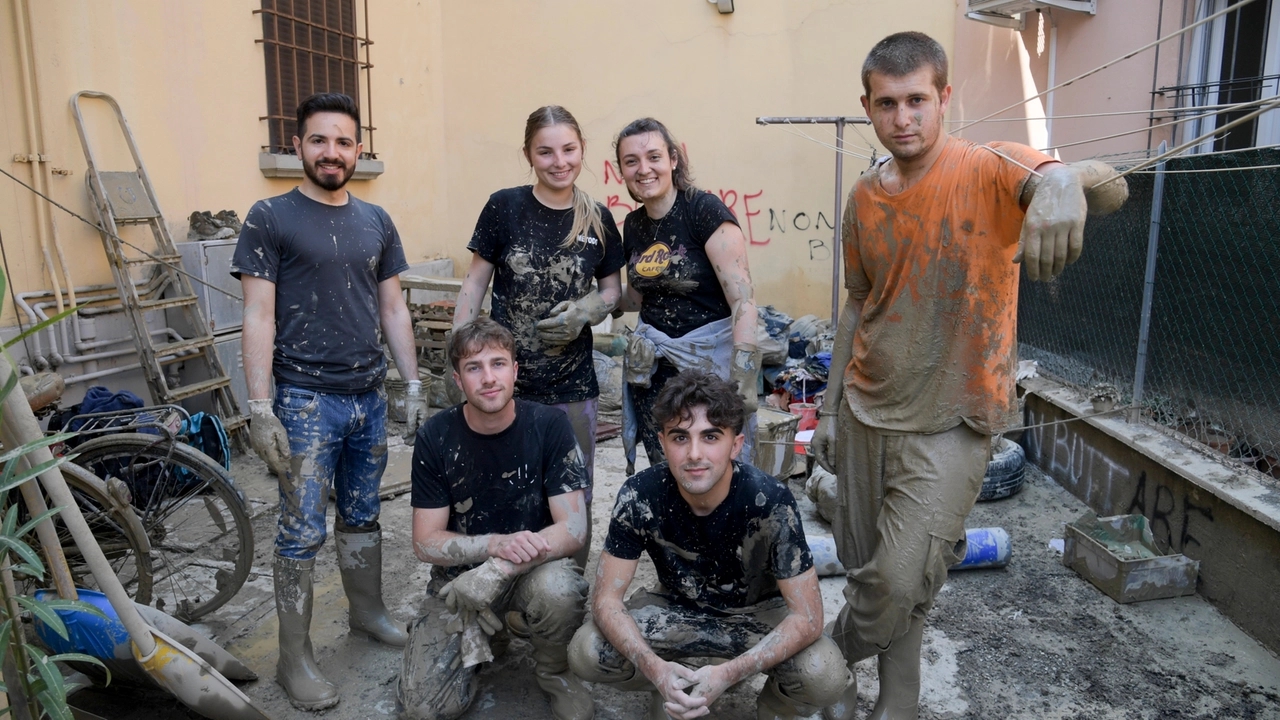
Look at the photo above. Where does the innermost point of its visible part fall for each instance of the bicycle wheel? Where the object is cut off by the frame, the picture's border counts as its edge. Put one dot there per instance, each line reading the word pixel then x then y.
pixel 117 529
pixel 196 521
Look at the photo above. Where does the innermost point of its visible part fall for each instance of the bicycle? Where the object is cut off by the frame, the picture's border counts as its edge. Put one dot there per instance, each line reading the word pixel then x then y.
pixel 193 518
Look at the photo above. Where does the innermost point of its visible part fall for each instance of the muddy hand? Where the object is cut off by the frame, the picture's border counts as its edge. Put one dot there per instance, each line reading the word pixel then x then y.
pixel 745 372
pixel 824 443
pixel 564 323
pixel 472 593
pixel 1053 229
pixel 520 547
pixel 709 683
pixel 671 682
pixel 415 409
pixel 268 437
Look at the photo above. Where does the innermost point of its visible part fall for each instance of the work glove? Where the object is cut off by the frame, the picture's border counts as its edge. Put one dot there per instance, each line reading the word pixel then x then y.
pixel 565 321
pixel 641 355
pixel 415 409
pixel 268 437
pixel 823 445
pixel 1053 230
pixel 745 372
pixel 472 593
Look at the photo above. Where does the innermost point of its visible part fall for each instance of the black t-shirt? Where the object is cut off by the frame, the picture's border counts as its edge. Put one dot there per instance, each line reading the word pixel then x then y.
pixel 667 263
pixel 728 560
pixel 532 273
pixel 496 483
pixel 326 263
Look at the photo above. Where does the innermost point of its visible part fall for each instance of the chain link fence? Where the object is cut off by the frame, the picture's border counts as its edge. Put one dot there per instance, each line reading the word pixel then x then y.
pixel 1213 355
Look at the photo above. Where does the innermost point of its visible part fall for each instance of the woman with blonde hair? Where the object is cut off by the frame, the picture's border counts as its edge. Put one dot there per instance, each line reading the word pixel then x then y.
pixel 554 256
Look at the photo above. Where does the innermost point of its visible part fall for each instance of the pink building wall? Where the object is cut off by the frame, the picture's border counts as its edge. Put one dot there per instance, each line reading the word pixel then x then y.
pixel 994 67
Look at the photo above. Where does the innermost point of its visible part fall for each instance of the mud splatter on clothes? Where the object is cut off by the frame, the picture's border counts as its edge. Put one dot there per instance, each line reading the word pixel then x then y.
pixel 667 263
pixel 523 240
pixel 326 262
pixel 933 266
pixel 725 561
pixel 495 483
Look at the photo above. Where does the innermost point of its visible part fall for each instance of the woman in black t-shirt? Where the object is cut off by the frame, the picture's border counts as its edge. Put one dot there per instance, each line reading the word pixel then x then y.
pixel 686 269
pixel 543 246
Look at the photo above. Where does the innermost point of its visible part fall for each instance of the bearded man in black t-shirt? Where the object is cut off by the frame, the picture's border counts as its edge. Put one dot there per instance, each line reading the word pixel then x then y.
pixel 736 577
pixel 498 508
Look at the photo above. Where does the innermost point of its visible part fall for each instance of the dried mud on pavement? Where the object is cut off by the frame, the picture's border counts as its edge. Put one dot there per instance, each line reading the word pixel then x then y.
pixel 1032 640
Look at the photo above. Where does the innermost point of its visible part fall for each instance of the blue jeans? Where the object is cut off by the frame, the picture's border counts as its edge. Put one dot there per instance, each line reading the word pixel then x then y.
pixel 337 441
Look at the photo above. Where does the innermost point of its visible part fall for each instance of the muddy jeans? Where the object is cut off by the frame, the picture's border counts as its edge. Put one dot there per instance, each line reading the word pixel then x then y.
pixel 337 441
pixel 583 417
pixel 433 685
pixel 812 678
pixel 899 523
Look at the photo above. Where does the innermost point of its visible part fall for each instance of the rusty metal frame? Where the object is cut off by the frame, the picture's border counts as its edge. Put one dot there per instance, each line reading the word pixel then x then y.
pixel 353 61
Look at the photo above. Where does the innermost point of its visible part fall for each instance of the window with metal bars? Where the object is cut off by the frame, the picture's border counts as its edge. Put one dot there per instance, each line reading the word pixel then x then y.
pixel 313 46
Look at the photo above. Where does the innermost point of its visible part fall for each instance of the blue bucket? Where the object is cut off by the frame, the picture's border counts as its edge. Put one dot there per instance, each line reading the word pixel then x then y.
pixel 987 548
pixel 88 634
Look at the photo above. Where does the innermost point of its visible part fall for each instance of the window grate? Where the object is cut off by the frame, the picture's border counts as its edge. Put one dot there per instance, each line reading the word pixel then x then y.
pixel 313 46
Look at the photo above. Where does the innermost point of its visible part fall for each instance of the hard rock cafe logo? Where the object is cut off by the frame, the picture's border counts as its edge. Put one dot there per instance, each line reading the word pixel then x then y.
pixel 654 261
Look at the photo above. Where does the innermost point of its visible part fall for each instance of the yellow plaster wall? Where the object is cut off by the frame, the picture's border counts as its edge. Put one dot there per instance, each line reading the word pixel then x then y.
pixel 452 84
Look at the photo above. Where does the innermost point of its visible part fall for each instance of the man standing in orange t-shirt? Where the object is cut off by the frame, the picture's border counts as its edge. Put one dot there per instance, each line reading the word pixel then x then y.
pixel 922 371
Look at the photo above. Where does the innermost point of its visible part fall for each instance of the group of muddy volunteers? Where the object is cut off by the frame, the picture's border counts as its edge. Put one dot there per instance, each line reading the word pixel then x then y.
pixel 922 374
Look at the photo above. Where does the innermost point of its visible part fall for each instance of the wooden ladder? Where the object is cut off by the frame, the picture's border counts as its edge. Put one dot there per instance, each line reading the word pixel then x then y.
pixel 126 197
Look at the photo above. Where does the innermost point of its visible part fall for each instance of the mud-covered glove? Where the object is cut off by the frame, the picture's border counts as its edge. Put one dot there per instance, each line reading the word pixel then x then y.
pixel 268 437
pixel 638 364
pixel 824 442
pixel 472 593
pixel 745 371
pixel 564 323
pixel 415 409
pixel 1053 230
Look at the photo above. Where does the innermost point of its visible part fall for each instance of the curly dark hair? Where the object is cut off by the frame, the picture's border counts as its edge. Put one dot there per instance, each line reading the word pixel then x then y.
pixel 477 335
pixel 697 388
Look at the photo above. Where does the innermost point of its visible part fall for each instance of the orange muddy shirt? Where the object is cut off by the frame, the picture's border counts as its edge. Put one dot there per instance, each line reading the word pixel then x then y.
pixel 934 268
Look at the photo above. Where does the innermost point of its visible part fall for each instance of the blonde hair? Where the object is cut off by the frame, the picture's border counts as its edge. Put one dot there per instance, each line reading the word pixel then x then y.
pixel 586 213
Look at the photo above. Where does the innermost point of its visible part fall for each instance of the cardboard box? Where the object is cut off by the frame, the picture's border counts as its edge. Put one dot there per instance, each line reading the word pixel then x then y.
pixel 1119 555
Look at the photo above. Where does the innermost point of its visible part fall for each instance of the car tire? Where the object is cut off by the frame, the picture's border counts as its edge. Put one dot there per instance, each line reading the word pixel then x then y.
pixel 1005 472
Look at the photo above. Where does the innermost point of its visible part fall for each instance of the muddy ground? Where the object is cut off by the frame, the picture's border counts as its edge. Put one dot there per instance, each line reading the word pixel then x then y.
pixel 1032 640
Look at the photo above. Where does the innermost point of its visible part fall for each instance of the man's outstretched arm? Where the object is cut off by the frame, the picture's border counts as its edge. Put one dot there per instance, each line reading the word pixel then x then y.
pixel 613 577
pixel 1057 204
pixel 798 630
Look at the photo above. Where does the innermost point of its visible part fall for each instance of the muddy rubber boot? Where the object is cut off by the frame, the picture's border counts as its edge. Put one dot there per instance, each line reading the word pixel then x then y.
pixel 360 561
pixel 900 677
pixel 297 671
pixel 570 699
pixel 847 707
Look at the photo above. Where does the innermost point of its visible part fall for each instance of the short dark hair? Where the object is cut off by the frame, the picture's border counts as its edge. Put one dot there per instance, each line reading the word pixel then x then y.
pixel 902 54
pixel 327 102
pixel 697 388
pixel 477 335
pixel 681 174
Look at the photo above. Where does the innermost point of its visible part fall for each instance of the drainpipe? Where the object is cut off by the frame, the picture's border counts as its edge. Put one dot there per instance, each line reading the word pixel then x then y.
pixel 1053 77
pixel 46 228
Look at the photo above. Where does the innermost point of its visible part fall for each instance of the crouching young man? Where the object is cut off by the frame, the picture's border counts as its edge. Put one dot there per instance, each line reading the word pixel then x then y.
pixel 498 504
pixel 737 581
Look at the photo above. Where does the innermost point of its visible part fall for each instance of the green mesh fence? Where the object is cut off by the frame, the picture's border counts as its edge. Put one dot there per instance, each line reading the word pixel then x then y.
pixel 1213 364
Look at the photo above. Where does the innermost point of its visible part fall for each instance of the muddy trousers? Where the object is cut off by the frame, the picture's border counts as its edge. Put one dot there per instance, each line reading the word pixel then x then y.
pixel 336 442
pixel 583 417
pixel 810 679
pixel 899 523
pixel 433 685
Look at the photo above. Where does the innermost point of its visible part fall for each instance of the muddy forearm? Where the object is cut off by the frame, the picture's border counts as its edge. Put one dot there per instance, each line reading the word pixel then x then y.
pixel 397 327
pixel 471 296
pixel 449 549
pixel 841 352
pixel 258 345
pixel 620 629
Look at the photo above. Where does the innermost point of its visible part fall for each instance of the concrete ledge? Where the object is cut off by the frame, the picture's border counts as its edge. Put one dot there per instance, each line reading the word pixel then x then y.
pixel 1198 503
pixel 275 165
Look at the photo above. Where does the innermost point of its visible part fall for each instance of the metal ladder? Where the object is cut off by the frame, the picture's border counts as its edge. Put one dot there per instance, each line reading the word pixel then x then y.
pixel 126 197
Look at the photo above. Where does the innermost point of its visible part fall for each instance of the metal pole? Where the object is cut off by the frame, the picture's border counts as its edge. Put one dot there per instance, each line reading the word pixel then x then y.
pixel 1148 290
pixel 835 220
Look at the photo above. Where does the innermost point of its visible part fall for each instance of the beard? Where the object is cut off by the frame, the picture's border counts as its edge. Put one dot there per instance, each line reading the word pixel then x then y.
pixel 330 183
